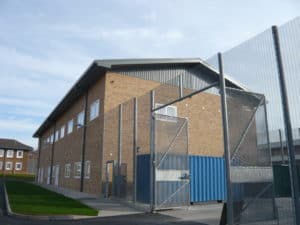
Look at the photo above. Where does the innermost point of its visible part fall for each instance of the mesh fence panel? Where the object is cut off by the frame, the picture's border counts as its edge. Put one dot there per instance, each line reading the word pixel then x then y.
pixel 251 168
pixel 110 149
pixel 253 63
pixel 171 162
pixel 127 150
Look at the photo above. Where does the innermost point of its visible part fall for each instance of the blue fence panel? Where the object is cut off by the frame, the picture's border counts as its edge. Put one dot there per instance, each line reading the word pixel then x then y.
pixel 207 178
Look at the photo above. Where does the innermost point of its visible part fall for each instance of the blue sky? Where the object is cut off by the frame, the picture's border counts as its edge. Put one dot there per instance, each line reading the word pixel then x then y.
pixel 46 45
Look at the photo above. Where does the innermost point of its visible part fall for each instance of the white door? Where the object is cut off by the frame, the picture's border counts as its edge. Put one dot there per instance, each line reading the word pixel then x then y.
pixel 56 172
pixel 48 175
pixel 42 175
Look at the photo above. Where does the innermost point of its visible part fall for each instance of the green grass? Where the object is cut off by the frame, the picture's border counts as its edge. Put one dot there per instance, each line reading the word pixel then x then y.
pixel 30 199
pixel 25 177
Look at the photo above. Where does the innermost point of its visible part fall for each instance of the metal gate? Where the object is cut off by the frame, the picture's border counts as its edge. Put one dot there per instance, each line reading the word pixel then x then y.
pixel 171 167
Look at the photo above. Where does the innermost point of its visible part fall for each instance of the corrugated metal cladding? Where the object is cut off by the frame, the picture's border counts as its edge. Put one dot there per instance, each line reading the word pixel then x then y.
pixel 192 75
pixel 207 181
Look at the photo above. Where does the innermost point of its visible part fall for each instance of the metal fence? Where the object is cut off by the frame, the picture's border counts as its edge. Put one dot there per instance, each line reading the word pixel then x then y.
pixel 269 64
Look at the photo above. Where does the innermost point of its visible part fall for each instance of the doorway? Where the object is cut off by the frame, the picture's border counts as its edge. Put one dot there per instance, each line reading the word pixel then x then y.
pixel 109 178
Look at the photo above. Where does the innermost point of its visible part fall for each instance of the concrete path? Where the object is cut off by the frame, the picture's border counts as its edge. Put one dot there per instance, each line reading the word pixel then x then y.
pixel 106 207
pixel 206 213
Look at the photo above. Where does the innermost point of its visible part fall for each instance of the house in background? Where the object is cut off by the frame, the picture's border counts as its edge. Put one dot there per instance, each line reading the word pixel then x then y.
pixel 14 157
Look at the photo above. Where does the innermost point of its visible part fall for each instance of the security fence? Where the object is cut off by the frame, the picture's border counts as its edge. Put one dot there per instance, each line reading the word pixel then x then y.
pixel 269 64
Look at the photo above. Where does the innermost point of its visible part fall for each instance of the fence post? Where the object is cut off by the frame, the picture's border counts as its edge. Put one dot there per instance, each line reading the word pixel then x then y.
pixel 288 125
pixel 135 115
pixel 120 149
pixel 226 141
pixel 152 154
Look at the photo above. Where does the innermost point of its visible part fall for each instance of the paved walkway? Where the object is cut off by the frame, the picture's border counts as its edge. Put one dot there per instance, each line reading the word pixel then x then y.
pixel 106 207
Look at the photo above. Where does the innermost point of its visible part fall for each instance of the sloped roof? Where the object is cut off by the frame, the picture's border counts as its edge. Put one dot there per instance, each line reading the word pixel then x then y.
pixel 99 67
pixel 6 143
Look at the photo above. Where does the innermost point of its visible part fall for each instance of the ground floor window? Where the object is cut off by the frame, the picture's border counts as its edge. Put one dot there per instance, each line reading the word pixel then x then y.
pixel 1 165
pixel 67 170
pixel 8 165
pixel 18 166
pixel 87 169
pixel 77 170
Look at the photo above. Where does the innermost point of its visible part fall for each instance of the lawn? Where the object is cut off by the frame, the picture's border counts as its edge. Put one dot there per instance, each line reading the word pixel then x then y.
pixel 30 199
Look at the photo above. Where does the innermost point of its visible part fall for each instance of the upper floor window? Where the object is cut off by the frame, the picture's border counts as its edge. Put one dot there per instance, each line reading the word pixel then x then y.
pixel 1 152
pixel 19 154
pixel 56 135
pixel 70 126
pixel 94 109
pixel 80 119
pixel 168 112
pixel 62 131
pixel 9 153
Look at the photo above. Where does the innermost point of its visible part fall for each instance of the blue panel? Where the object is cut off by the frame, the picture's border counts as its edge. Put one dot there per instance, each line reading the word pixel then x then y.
pixel 207 178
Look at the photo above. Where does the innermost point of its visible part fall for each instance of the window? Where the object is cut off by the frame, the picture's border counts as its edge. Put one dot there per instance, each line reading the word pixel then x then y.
pixel 167 113
pixel 18 166
pixel 70 126
pixel 56 135
pixel 10 154
pixel 62 131
pixel 87 169
pixel 51 138
pixel 8 166
pixel 94 110
pixel 1 152
pixel 67 170
pixel 1 165
pixel 77 170
pixel 19 154
pixel 80 120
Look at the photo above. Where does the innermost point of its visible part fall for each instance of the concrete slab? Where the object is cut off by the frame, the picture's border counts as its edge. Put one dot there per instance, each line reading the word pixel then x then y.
pixel 205 214
pixel 106 207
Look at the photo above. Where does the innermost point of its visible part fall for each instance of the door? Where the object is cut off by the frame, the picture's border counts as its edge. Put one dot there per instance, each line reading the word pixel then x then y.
pixel 48 175
pixel 56 172
pixel 109 181
pixel 171 172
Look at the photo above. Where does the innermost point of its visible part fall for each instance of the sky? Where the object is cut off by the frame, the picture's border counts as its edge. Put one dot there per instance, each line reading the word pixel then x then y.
pixel 46 45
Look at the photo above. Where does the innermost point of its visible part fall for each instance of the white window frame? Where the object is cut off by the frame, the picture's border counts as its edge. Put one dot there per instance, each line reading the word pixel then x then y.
pixel 9 156
pixel 2 152
pixel 22 154
pixel 1 165
pixel 77 170
pixel 70 126
pixel 16 166
pixel 9 163
pixel 80 119
pixel 94 109
pixel 62 131
pixel 56 135
pixel 68 170
pixel 165 114
pixel 87 169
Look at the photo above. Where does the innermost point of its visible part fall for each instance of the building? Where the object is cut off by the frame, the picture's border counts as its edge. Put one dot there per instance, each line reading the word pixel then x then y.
pixel 14 156
pixel 79 142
